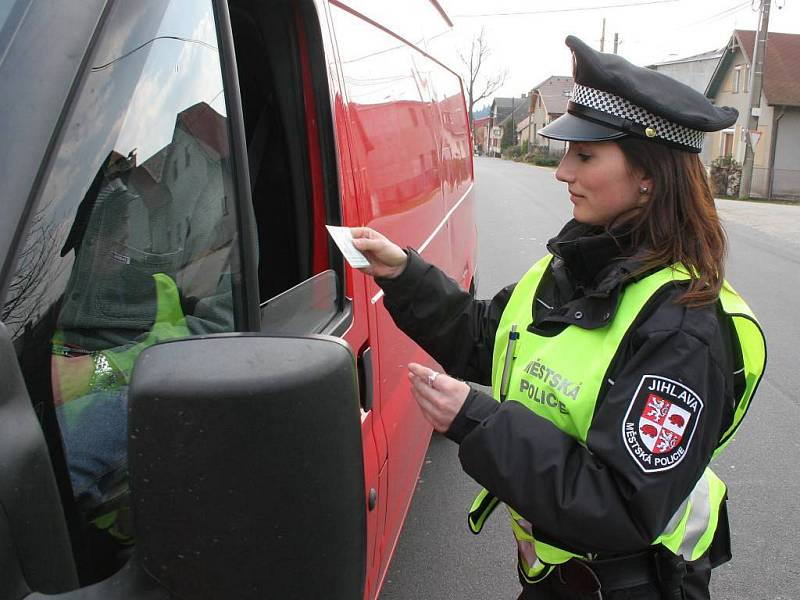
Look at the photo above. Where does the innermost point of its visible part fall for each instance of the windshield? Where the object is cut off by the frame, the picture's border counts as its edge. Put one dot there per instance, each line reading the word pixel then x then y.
pixel 134 238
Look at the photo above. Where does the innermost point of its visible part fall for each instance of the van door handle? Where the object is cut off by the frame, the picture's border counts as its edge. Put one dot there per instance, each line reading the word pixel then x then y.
pixel 366 378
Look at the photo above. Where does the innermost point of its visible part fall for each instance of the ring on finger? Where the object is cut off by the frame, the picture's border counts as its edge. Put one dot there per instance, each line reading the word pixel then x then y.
pixel 432 377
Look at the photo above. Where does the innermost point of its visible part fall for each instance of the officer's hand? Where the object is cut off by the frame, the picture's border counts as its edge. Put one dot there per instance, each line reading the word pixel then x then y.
pixel 386 259
pixel 439 396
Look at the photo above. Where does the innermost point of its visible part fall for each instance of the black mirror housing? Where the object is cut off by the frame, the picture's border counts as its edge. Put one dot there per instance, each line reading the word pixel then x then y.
pixel 246 468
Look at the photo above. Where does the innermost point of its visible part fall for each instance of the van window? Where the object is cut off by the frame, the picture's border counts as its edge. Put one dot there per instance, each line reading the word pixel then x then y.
pixel 133 239
pixel 293 180
pixel 394 118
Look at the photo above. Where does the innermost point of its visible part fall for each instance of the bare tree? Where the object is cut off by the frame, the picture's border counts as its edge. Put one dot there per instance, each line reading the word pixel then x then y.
pixel 479 86
pixel 37 269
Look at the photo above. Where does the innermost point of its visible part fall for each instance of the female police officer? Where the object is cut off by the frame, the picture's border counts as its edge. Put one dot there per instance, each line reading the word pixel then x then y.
pixel 627 361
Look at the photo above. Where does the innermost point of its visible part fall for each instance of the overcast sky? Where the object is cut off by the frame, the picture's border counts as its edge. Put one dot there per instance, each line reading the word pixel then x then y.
pixel 527 37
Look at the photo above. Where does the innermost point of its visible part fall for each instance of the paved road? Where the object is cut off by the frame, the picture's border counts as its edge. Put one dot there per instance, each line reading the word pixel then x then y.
pixel 519 207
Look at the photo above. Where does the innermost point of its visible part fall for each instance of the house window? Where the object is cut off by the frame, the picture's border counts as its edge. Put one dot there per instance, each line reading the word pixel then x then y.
pixel 737 78
pixel 746 76
pixel 726 143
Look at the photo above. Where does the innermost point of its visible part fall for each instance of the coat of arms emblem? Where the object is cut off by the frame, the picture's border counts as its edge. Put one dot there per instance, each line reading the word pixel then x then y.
pixel 660 421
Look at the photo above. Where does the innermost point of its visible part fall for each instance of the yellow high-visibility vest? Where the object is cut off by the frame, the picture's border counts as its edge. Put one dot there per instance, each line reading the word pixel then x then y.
pixel 546 377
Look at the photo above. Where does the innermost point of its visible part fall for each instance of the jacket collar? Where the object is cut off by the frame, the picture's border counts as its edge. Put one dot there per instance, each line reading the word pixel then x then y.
pixel 595 264
pixel 588 250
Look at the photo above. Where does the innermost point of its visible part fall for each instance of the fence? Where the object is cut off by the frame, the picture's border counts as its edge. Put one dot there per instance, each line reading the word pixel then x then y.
pixel 784 183
pixel 776 183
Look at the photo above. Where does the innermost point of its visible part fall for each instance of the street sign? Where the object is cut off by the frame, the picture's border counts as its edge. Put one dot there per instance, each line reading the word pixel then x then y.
pixel 497 132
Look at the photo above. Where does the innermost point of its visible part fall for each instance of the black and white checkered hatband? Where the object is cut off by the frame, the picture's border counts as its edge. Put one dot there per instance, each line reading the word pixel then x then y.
pixel 624 109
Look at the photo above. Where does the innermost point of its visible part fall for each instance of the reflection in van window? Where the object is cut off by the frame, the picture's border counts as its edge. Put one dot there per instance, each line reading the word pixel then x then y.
pixel 407 115
pixel 134 240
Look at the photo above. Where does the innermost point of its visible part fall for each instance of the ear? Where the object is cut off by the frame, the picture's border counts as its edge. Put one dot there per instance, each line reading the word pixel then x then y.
pixel 645 188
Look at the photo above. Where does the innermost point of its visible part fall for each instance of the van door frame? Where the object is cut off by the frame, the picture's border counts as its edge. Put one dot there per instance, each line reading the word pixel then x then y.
pixel 244 201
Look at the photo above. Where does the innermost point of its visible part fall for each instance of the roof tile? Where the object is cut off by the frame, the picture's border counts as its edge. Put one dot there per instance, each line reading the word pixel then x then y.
pixel 782 74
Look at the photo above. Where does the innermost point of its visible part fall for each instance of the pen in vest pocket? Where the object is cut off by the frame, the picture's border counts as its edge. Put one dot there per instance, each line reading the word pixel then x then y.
pixel 513 336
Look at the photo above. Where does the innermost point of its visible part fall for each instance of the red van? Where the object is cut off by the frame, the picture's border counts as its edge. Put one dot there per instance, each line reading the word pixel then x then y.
pixel 200 399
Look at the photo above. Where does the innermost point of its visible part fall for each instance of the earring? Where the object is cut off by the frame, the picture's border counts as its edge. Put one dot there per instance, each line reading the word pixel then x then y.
pixel 643 189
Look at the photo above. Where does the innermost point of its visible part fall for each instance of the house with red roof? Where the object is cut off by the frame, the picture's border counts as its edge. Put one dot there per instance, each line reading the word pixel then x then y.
pixel 480 133
pixel 776 171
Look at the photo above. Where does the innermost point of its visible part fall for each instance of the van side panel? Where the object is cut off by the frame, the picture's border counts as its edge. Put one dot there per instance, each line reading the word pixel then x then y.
pixel 411 155
pixel 358 334
pixel 397 163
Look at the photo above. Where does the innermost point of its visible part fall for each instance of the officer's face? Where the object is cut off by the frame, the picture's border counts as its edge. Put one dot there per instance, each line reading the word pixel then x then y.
pixel 601 184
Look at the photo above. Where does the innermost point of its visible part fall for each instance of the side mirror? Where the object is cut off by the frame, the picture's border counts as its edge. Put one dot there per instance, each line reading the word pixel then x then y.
pixel 246 468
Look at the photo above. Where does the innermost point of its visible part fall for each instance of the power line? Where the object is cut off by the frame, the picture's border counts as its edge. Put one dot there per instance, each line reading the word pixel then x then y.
pixel 720 15
pixel 160 37
pixel 563 10
pixel 704 21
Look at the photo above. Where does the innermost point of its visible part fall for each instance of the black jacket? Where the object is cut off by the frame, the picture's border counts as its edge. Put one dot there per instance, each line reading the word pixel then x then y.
pixel 592 499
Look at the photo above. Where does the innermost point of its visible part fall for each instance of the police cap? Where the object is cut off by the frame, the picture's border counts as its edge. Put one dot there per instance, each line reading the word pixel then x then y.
pixel 613 99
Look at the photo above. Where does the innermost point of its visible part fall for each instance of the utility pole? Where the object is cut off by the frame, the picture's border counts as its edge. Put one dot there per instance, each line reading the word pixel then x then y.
pixel 491 128
pixel 513 127
pixel 616 42
pixel 603 35
pixel 754 98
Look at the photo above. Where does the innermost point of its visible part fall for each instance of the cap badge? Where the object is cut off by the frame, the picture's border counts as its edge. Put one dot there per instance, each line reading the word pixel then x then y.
pixel 650 132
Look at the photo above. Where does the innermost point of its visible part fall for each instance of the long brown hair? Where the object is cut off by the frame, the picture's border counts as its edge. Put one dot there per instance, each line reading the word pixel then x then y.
pixel 679 223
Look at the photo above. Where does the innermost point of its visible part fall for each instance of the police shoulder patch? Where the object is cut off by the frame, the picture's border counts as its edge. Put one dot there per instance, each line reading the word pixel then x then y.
pixel 662 417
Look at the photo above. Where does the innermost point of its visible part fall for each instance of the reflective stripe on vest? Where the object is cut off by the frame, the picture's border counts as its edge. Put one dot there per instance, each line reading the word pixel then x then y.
pixel 691 529
pixel 560 378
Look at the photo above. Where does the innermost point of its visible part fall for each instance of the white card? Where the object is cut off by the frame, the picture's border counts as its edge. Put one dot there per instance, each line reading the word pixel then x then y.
pixel 344 239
